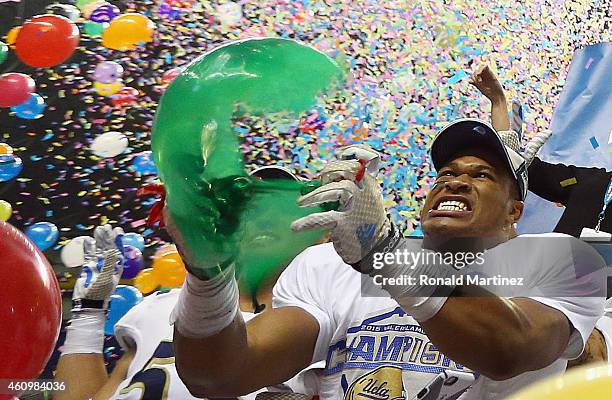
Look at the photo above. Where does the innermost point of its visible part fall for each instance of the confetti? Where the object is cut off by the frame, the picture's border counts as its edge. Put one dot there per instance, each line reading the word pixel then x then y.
pixel 568 182
pixel 408 60
pixel 594 142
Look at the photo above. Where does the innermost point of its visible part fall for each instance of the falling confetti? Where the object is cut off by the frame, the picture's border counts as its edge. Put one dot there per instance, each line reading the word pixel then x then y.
pixel 409 62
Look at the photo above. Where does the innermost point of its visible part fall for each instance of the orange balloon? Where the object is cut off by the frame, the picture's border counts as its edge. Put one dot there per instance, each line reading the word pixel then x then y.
pixel 169 270
pixel 128 30
pixel 5 149
pixel 11 36
pixel 145 281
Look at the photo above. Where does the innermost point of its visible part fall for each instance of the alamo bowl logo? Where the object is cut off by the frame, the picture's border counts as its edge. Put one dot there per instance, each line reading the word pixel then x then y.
pixel 384 383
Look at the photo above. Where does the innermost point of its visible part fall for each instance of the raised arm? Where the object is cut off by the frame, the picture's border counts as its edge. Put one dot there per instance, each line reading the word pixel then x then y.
pixel 81 365
pixel 487 83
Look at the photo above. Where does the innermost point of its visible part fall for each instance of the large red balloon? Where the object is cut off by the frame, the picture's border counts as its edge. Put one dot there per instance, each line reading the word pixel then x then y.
pixel 15 89
pixel 46 40
pixel 30 307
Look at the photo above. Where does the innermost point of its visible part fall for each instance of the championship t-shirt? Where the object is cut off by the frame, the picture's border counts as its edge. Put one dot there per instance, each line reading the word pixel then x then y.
pixel 373 350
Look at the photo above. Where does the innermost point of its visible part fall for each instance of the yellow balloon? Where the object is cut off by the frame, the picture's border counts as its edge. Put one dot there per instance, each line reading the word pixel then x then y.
pixel 164 250
pixel 145 281
pixel 128 30
pixel 5 210
pixel 591 382
pixel 11 36
pixel 169 270
pixel 5 149
pixel 108 89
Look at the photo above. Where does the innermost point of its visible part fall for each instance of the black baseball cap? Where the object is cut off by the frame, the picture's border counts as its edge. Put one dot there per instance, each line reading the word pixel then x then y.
pixel 470 132
pixel 271 172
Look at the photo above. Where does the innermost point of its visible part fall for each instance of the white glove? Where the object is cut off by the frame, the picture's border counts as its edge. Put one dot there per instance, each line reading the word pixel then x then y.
pixel 101 271
pixel 360 222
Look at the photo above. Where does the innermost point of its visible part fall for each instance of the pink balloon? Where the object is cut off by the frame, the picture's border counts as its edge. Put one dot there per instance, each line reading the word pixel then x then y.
pixel 15 89
pixel 169 75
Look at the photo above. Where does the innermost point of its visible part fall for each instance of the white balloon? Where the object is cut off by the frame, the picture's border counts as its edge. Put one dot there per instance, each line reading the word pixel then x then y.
pixel 109 144
pixel 72 253
pixel 229 13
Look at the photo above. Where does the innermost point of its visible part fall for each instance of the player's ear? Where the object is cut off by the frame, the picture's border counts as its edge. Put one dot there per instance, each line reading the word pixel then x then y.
pixel 515 210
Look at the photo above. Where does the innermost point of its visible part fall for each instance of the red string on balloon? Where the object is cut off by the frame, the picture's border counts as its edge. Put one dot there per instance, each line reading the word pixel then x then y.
pixel 156 213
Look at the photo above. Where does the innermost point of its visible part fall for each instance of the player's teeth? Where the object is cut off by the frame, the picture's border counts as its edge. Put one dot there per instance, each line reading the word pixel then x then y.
pixel 452 206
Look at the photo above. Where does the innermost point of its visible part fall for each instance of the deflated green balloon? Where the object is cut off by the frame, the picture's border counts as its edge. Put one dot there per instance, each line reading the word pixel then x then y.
pixel 221 212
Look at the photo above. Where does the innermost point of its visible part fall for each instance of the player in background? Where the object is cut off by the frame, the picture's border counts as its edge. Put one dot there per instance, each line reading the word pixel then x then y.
pixel 146 371
pixel 543 177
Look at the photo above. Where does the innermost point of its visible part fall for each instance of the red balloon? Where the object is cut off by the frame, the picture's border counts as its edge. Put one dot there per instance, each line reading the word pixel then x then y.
pixel 15 89
pixel 30 307
pixel 124 97
pixel 46 40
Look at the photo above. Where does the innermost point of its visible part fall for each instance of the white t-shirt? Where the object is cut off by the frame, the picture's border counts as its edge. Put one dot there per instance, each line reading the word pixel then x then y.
pixel 372 349
pixel 152 374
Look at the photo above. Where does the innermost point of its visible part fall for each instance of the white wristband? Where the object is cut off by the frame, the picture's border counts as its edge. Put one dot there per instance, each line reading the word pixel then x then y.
pixel 205 308
pixel 85 335
pixel 421 302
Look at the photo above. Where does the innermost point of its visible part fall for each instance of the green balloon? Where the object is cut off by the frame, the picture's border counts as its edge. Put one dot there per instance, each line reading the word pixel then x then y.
pixel 82 3
pixel 94 28
pixel 3 52
pixel 223 214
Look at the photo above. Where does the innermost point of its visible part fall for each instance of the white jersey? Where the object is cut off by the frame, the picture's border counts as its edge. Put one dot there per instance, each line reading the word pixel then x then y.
pixel 373 350
pixel 605 327
pixel 152 374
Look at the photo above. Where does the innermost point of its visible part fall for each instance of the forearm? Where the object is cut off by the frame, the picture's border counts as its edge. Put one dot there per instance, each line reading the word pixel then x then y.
pixel 253 354
pixel 498 337
pixel 209 328
pixel 499 113
pixel 83 374
pixel 198 360
pixel 81 365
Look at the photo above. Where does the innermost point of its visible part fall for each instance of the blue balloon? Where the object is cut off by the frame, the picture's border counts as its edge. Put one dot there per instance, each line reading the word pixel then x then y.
pixel 43 234
pixel 130 293
pixel 135 240
pixel 122 301
pixel 32 108
pixel 143 163
pixel 10 167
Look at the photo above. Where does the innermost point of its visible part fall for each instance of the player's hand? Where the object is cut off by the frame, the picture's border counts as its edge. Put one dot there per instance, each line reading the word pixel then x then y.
pixel 203 267
pixel 360 222
pixel 486 82
pixel 102 269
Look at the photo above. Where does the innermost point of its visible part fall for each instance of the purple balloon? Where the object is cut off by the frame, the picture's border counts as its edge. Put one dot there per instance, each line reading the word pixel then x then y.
pixel 105 13
pixel 108 72
pixel 133 262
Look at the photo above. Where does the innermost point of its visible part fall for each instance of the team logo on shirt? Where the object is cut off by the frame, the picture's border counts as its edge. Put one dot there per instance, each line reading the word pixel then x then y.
pixel 388 339
pixel 384 383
